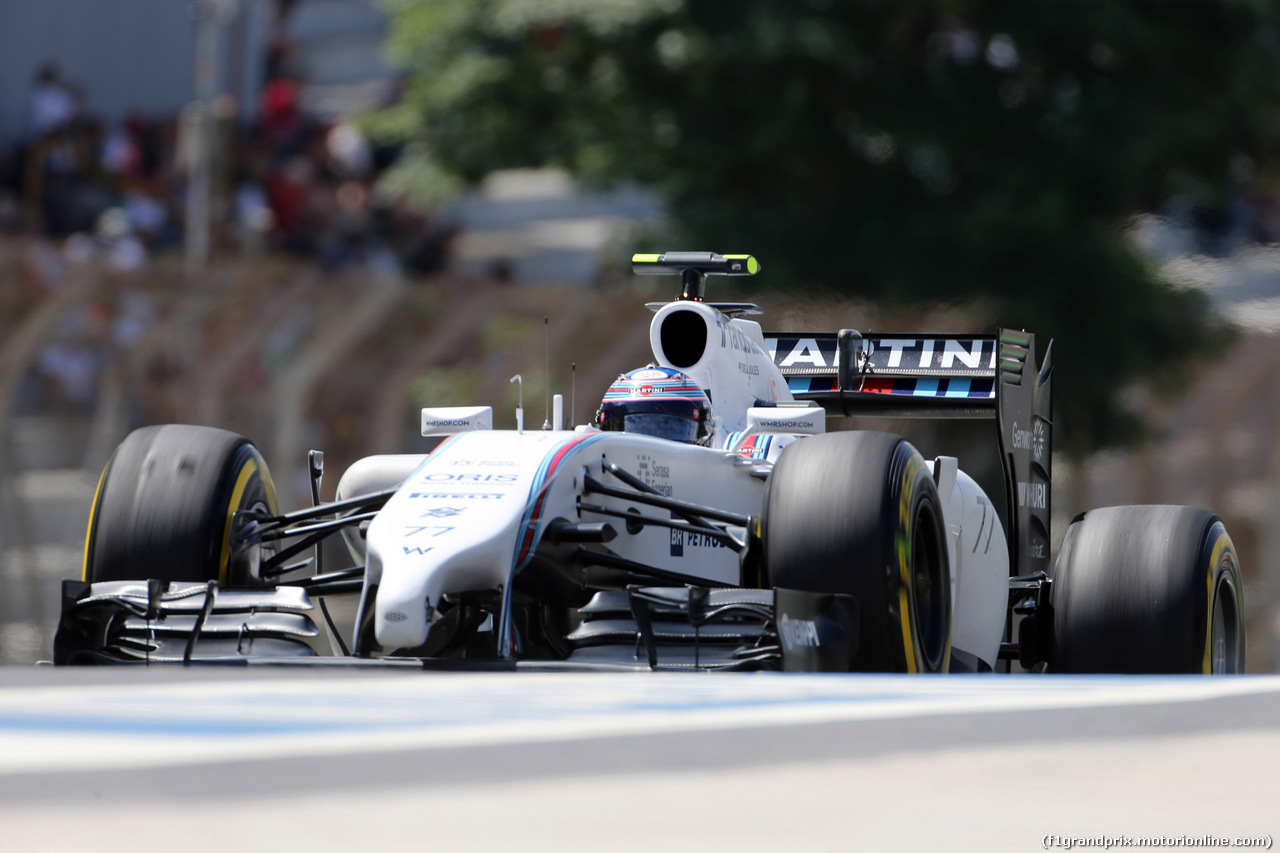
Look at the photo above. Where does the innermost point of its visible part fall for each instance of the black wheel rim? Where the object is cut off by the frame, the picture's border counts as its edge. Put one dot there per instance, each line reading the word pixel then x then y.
pixel 930 589
pixel 1224 630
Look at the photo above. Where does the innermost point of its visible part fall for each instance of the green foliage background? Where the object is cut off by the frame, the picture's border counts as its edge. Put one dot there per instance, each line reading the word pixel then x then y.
pixel 977 151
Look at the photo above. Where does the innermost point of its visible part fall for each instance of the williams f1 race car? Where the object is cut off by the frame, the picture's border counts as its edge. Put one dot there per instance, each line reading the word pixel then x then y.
pixel 706 519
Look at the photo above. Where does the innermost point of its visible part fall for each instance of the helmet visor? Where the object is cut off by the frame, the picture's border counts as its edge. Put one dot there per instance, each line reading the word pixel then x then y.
pixel 672 427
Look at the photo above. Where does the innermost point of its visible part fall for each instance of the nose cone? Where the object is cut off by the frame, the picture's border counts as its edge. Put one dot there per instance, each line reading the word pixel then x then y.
pixel 401 613
pixel 453 527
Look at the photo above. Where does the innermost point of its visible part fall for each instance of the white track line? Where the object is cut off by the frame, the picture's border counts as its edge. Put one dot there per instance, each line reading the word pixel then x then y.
pixel 48 729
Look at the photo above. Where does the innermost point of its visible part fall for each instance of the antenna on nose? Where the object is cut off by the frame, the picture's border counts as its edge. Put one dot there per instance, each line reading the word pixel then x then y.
pixel 519 381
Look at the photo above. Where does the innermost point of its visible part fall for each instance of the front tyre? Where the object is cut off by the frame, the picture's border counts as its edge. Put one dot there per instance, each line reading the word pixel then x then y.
pixel 858 513
pixel 165 503
pixel 1148 589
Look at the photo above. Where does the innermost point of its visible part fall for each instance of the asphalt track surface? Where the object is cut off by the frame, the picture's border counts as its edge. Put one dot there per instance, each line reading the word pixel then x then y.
pixel 271 759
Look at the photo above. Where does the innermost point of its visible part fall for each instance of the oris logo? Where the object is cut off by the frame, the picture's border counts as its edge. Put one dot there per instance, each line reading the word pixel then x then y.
pixel 494 479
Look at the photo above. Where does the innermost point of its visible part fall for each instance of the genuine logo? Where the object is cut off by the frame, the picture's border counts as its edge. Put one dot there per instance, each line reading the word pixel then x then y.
pixel 1029 439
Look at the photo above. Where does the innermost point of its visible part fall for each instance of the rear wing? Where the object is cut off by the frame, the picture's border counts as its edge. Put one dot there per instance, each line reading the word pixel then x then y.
pixel 944 376
pixel 891 375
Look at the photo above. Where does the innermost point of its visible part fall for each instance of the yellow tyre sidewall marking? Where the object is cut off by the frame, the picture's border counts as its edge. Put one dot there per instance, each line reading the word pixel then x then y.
pixel 273 503
pixel 93 516
pixel 242 482
pixel 903 549
pixel 1223 554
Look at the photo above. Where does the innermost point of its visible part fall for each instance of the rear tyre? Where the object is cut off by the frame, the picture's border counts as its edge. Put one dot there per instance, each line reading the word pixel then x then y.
pixel 165 502
pixel 1147 589
pixel 858 513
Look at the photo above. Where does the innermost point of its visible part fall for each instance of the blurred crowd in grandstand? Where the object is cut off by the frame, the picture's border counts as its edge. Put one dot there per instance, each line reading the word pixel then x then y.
pixel 282 179
pixel 79 187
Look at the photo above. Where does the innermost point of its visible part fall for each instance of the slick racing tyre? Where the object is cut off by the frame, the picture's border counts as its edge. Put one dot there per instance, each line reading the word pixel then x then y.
pixel 1147 589
pixel 165 502
pixel 858 513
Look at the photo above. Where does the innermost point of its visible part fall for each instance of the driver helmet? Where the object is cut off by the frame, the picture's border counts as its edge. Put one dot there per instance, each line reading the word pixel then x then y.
pixel 657 401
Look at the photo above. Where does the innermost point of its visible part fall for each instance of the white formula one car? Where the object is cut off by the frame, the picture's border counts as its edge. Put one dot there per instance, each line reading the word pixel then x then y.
pixel 705 520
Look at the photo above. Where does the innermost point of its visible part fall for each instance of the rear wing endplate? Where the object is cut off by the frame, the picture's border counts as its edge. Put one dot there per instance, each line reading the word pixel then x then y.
pixel 944 376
